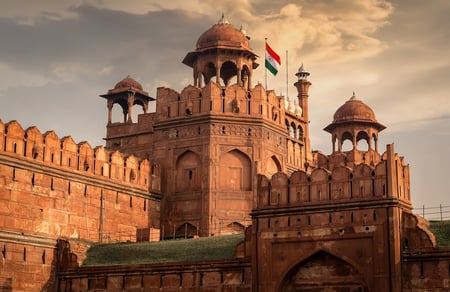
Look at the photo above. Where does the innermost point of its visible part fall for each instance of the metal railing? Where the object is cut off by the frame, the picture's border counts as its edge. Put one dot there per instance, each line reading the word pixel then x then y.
pixel 438 213
pixel 140 234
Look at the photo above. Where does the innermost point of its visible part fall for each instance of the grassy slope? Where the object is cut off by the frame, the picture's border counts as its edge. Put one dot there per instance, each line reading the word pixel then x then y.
pixel 201 249
pixel 192 250
pixel 441 230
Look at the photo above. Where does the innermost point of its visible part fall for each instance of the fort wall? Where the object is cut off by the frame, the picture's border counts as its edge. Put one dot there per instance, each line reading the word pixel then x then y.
pixel 52 188
pixel 329 220
pixel 340 184
pixel 232 274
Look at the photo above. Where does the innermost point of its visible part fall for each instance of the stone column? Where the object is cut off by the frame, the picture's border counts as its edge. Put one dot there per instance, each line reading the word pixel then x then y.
pixel 110 105
pixel 130 106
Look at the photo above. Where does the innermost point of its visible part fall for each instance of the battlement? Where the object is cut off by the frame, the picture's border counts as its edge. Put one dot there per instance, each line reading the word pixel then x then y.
pixel 54 188
pixel 387 179
pixel 215 99
pixel 48 149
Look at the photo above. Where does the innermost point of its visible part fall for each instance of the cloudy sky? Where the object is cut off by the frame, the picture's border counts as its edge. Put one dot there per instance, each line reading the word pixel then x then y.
pixel 57 56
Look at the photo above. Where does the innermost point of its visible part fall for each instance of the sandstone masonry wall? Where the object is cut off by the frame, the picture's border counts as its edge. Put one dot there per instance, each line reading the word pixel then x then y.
pixel 52 188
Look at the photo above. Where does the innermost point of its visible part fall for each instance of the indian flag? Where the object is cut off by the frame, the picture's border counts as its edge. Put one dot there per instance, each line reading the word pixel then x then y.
pixel 273 61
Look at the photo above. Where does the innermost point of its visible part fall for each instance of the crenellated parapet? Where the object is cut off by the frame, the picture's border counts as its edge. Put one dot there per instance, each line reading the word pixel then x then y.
pixel 339 182
pixel 48 149
pixel 338 210
pixel 58 188
pixel 53 188
pixel 230 101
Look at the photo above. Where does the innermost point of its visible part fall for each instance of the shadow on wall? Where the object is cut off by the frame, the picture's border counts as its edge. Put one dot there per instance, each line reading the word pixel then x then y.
pixel 50 285
pixel 6 286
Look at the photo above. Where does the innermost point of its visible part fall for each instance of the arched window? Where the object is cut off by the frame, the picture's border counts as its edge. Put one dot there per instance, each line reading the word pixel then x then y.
pixel 292 130
pixel 299 132
pixel 227 71
pixel 362 141
pixel 347 141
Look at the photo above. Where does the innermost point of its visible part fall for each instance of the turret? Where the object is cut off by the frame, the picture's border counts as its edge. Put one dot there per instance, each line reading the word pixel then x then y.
pixel 354 121
pixel 127 93
pixel 222 51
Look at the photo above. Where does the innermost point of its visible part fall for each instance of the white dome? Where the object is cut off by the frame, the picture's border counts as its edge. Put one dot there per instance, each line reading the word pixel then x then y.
pixel 298 110
pixel 291 106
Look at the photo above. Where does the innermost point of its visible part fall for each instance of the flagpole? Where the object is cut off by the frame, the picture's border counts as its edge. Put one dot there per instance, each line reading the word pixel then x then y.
pixel 265 57
pixel 287 77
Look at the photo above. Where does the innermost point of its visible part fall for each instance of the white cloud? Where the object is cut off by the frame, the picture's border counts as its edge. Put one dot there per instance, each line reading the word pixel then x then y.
pixel 11 77
pixel 27 12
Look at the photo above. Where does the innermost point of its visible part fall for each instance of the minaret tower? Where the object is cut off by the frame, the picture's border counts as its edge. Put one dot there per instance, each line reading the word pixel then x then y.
pixel 302 86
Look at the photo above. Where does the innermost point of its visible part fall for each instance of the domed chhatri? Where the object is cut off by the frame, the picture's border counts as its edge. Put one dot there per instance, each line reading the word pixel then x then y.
pixel 354 110
pixel 127 93
pixel 223 35
pixel 354 121
pixel 127 84
pixel 223 52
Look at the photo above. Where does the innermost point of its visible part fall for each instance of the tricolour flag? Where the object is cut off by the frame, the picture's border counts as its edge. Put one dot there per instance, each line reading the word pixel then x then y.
pixel 273 61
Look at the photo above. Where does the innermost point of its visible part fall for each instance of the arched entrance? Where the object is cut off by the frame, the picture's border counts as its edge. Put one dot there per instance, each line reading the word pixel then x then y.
pixel 324 272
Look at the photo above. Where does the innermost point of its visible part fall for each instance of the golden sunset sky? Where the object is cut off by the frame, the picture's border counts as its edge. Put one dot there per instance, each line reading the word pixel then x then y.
pixel 57 56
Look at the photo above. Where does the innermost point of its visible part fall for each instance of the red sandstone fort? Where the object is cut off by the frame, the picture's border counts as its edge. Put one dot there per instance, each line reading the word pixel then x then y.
pixel 220 157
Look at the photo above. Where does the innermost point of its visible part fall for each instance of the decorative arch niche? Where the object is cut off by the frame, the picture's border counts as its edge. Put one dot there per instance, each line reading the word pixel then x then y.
pixel 235 171
pixel 233 228
pixel 186 230
pixel 273 166
pixel 188 172
pixel 323 272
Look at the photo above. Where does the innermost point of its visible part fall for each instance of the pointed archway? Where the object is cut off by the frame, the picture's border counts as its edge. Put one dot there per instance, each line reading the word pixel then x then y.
pixel 186 230
pixel 323 272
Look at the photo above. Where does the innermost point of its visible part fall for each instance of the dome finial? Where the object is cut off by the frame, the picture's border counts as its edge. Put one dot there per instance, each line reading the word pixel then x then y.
pixel 302 73
pixel 353 97
pixel 241 29
pixel 223 20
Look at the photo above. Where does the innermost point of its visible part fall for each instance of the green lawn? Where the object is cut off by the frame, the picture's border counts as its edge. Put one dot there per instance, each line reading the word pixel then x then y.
pixel 441 230
pixel 192 250
pixel 201 249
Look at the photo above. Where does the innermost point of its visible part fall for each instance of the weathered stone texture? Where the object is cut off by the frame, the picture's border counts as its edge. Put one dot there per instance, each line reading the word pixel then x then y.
pixel 47 195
